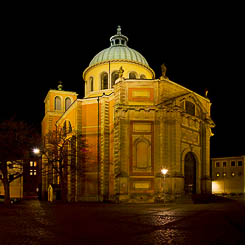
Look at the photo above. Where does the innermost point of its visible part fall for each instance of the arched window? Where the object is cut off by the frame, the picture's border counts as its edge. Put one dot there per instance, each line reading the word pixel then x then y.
pixel 142 77
pixel 142 153
pixel 91 83
pixel 104 80
pixel 114 77
pixel 57 103
pixel 67 103
pixel 190 108
pixel 132 75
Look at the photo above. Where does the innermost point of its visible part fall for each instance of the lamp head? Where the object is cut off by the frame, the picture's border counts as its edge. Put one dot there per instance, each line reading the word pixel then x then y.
pixel 164 171
pixel 36 151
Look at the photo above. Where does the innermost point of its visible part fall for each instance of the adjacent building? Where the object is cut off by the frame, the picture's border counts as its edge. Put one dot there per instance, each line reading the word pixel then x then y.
pixel 228 175
pixel 16 184
pixel 135 125
pixel 31 178
pixel 28 185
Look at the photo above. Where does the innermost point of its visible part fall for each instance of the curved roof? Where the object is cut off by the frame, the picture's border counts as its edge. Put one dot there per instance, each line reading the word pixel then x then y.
pixel 119 51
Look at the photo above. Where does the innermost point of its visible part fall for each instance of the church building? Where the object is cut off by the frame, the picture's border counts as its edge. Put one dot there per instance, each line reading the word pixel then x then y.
pixel 135 125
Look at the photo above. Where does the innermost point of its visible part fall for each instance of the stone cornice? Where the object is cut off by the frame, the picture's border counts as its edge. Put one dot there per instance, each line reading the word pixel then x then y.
pixel 116 60
pixel 135 107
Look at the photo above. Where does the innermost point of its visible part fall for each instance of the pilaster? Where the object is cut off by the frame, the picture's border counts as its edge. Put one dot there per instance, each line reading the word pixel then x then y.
pixel 104 149
pixel 205 159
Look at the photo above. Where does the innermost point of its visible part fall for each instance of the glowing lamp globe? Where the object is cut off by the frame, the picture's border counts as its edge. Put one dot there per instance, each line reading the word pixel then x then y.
pixel 164 171
pixel 36 151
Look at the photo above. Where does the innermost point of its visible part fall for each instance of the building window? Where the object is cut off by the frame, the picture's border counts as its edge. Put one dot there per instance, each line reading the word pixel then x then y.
pixel 240 164
pixel 142 77
pixel 132 75
pixel 190 108
pixel 67 103
pixel 217 164
pixel 114 77
pixel 70 127
pixel 224 163
pixel 64 128
pixel 31 171
pixel 233 174
pixel 34 172
pixel 91 83
pixel 57 103
pixel 232 163
pixel 104 80
pixel 33 163
pixel 217 174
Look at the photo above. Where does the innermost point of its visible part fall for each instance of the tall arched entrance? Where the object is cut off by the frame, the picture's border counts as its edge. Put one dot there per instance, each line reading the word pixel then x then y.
pixel 190 174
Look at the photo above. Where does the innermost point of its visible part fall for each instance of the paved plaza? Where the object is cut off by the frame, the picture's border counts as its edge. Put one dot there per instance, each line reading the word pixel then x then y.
pixel 39 222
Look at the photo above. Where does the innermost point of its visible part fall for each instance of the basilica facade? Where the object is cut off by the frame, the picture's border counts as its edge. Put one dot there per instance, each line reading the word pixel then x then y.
pixel 135 125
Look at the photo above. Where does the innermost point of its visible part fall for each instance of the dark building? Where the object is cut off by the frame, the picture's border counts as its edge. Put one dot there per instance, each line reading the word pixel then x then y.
pixel 31 178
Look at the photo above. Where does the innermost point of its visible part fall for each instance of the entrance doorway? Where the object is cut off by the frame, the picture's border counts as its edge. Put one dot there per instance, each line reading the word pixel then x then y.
pixel 190 174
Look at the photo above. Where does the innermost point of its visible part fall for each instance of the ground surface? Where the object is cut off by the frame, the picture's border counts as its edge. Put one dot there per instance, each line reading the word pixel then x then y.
pixel 36 222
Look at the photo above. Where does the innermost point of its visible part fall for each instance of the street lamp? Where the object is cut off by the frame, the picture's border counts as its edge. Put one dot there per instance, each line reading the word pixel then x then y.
pixel 36 151
pixel 164 173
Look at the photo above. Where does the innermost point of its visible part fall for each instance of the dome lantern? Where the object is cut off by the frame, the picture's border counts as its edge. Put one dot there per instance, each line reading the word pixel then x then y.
pixel 118 39
pixel 118 52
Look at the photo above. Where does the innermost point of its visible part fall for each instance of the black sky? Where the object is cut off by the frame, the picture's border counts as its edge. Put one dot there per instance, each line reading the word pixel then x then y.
pixel 201 42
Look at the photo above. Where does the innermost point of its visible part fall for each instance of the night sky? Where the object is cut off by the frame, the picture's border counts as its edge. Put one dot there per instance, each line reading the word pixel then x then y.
pixel 202 44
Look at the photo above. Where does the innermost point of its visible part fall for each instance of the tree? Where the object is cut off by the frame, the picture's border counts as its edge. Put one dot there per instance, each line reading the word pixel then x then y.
pixel 64 153
pixel 16 140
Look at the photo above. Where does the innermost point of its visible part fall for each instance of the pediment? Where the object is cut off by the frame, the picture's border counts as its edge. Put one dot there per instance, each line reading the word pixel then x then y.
pixel 191 97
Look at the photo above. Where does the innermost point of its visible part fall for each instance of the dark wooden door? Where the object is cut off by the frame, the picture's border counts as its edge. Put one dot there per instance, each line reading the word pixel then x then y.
pixel 190 174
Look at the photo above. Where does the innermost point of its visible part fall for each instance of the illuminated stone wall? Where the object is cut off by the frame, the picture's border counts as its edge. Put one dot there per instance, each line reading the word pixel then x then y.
pixel 144 126
pixel 153 130
pixel 228 175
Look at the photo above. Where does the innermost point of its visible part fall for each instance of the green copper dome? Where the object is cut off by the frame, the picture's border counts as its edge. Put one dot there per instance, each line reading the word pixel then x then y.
pixel 119 51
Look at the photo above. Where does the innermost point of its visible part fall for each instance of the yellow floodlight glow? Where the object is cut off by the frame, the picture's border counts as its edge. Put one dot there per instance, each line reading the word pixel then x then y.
pixel 216 187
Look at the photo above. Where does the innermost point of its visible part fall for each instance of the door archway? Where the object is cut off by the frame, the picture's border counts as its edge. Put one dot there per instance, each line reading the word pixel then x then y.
pixel 190 173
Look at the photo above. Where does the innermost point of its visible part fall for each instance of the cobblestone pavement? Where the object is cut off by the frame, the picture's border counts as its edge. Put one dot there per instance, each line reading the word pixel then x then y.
pixel 39 223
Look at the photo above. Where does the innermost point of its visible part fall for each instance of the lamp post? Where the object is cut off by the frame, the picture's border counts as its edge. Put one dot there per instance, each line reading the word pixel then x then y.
pixel 164 173
pixel 38 153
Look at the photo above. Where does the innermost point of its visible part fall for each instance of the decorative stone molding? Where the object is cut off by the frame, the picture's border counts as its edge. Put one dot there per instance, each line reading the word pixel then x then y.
pixel 190 136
